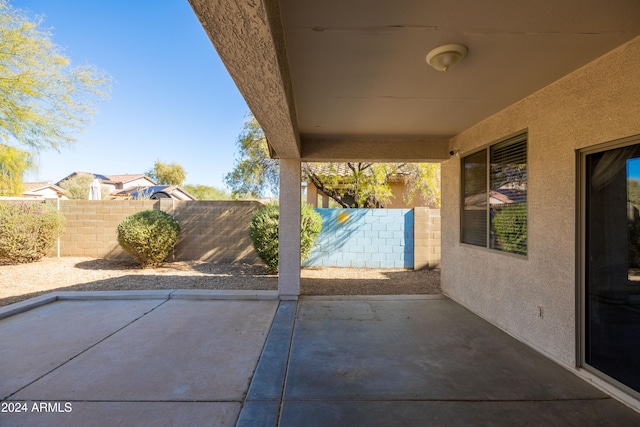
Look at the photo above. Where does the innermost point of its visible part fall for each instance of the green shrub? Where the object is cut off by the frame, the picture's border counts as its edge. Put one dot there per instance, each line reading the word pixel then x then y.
pixel 510 228
pixel 28 231
pixel 264 233
pixel 148 236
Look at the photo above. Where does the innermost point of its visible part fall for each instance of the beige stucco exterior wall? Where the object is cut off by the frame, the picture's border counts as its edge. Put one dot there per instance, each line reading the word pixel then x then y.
pixel 597 103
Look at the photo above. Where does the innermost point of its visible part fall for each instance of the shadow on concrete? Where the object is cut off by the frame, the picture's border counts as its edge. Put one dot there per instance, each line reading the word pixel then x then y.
pixel 369 282
pixel 156 282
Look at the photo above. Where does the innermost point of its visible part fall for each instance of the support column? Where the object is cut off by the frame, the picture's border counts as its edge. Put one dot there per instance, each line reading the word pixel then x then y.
pixel 289 231
pixel 325 201
pixel 312 195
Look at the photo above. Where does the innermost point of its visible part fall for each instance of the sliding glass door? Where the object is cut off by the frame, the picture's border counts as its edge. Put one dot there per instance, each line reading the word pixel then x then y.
pixel 611 296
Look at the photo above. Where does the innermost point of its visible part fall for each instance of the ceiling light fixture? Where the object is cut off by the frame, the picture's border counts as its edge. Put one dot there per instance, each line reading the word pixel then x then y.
pixel 445 57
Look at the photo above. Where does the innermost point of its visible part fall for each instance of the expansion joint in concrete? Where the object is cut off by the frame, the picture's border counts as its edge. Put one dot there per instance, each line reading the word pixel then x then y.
pixel 262 403
pixel 86 349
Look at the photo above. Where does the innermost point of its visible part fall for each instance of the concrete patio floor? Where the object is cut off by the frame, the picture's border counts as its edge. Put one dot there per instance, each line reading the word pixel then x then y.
pixel 180 358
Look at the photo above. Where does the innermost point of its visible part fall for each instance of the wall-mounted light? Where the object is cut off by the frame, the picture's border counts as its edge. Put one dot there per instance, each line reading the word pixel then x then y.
pixel 445 57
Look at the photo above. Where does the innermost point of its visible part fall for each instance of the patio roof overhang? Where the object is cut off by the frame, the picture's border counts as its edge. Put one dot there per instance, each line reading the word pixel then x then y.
pixel 335 80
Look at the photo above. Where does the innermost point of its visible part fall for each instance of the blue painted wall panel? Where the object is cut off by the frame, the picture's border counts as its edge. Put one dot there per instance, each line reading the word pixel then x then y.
pixel 372 238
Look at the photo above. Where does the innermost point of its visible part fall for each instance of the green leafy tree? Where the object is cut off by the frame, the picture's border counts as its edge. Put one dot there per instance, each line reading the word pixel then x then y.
pixel 352 185
pixel 167 173
pixel 422 181
pixel 349 184
pixel 205 192
pixel 255 172
pixel 368 185
pixel 13 163
pixel 77 187
pixel 44 101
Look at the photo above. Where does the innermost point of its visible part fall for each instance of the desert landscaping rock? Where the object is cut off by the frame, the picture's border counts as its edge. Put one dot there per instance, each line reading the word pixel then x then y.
pixel 23 281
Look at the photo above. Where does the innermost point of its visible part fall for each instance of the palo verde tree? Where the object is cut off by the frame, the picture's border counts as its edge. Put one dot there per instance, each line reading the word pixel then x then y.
pixel 255 173
pixel 167 173
pixel 44 101
pixel 368 185
pixel 350 184
pixel 13 163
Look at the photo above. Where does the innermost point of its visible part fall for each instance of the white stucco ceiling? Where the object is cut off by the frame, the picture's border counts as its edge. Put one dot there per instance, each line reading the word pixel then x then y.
pixel 358 67
pixel 338 79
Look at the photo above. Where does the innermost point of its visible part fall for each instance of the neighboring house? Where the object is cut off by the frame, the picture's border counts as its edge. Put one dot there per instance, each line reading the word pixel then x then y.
pixel 154 192
pixel 44 190
pixel 117 182
pixel 133 186
pixel 552 97
pixel 126 181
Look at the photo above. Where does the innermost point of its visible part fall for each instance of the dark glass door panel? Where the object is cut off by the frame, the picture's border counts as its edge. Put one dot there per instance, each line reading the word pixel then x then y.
pixel 612 279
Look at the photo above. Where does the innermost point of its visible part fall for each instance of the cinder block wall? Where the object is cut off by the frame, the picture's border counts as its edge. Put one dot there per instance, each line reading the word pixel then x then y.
pixel 91 226
pixel 364 238
pixel 426 238
pixel 216 231
pixel 210 230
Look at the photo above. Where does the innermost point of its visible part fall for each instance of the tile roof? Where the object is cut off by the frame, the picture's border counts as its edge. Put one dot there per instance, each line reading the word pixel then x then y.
pixel 35 185
pixel 124 178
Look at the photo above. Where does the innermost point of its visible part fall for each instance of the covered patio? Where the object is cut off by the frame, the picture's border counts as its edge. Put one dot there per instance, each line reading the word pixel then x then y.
pixel 545 88
pixel 188 358
pixel 512 341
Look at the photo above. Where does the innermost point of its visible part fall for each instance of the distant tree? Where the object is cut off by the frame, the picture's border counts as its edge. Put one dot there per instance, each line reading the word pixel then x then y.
pixel 205 192
pixel 255 173
pixel 633 191
pixel 44 101
pixel 167 173
pixel 350 184
pixel 422 181
pixel 367 185
pixel 77 187
pixel 13 163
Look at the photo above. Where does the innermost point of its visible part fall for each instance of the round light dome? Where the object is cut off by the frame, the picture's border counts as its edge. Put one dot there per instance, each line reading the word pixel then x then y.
pixel 444 58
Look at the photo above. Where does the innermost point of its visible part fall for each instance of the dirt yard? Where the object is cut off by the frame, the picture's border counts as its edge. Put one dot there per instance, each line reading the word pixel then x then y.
pixel 20 282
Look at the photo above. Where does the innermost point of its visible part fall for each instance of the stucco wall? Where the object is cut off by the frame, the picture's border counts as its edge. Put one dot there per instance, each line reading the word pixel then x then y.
pixel 598 103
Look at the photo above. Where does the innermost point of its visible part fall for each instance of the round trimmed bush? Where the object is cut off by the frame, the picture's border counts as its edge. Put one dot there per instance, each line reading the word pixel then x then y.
pixel 264 233
pixel 28 231
pixel 148 236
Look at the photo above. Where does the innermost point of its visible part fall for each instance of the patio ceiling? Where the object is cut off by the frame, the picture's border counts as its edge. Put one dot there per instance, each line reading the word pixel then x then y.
pixel 347 80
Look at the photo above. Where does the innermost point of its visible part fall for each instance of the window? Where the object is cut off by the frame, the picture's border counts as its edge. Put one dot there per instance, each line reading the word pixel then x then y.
pixel 494 209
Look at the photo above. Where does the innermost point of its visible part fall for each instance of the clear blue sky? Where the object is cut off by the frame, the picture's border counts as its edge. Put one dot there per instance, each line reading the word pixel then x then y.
pixel 633 168
pixel 172 99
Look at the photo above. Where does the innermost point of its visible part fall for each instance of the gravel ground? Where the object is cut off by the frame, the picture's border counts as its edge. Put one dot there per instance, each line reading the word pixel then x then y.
pixel 20 282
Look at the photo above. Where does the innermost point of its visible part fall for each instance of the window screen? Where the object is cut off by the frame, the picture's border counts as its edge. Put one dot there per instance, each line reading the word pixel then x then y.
pixel 474 215
pixel 503 197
